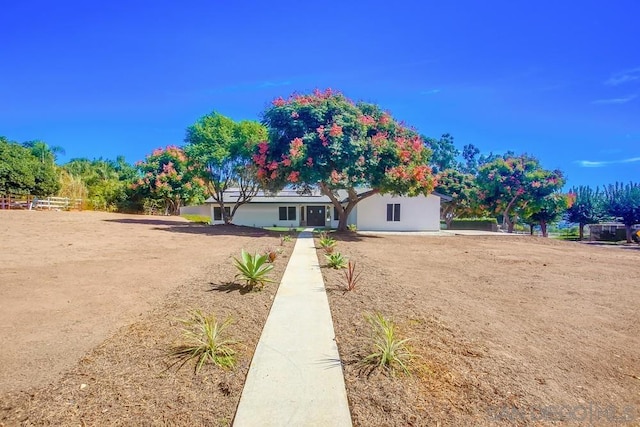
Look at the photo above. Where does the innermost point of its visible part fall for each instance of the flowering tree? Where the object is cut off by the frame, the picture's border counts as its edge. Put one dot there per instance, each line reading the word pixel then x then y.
pixel 221 152
pixel 510 182
pixel 462 188
pixel 324 139
pixel 588 207
pixel 622 201
pixel 546 210
pixel 168 176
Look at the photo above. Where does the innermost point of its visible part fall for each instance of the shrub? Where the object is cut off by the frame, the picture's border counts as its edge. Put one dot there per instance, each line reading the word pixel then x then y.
pixel 389 352
pixel 336 260
pixel 253 269
pixel 351 277
pixel 352 227
pixel 205 341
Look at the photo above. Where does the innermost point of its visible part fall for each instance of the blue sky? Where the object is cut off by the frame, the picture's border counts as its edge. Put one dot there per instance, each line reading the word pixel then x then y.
pixel 559 80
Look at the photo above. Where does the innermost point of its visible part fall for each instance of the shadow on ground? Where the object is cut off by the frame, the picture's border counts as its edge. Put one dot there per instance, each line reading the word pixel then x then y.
pixel 178 226
pixel 228 287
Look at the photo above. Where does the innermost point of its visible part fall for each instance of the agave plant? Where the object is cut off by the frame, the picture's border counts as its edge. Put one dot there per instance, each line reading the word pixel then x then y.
pixel 253 269
pixel 336 260
pixel 205 342
pixel 328 244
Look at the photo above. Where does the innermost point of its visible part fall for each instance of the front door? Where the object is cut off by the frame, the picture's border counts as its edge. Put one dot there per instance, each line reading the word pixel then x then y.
pixel 316 216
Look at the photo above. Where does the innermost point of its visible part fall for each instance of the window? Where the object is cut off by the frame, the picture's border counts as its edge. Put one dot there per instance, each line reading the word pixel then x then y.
pixel 217 213
pixel 336 216
pixel 393 212
pixel 287 213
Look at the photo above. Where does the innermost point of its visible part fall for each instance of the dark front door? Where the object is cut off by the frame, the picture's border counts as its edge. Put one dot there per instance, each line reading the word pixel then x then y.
pixel 315 216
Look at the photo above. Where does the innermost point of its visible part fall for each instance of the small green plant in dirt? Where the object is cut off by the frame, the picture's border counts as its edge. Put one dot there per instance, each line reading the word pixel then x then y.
pixel 253 269
pixel 389 351
pixel 336 260
pixel 272 253
pixel 205 341
pixel 327 244
pixel 285 238
pixel 351 278
pixel 352 227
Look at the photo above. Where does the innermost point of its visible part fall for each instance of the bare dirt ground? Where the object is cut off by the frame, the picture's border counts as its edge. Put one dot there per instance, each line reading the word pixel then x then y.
pixel 89 304
pixel 505 330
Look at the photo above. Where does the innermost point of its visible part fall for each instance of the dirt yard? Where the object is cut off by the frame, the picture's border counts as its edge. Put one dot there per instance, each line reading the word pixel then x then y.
pixel 505 330
pixel 89 304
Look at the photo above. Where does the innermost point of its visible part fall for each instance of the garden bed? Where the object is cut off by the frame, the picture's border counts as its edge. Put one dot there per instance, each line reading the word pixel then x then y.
pixel 505 330
pixel 103 357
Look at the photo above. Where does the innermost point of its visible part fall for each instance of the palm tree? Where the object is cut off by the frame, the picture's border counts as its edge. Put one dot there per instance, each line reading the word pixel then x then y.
pixel 43 151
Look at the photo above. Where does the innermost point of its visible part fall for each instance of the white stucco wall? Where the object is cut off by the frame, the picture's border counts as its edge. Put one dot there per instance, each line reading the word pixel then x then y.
pixel 195 210
pixel 416 213
pixel 261 215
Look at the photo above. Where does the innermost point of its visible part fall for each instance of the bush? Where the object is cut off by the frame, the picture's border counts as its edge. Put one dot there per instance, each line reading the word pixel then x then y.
pixel 484 224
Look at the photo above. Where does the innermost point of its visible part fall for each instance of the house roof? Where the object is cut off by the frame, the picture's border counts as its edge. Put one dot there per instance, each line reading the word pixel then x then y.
pixel 291 196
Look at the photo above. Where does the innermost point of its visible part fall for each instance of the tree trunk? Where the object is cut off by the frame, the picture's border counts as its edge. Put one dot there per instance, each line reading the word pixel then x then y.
pixel 628 230
pixel 580 231
pixel 531 229
pixel 543 227
pixel 343 212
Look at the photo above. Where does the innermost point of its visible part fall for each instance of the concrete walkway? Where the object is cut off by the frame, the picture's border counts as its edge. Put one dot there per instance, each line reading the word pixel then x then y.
pixel 295 378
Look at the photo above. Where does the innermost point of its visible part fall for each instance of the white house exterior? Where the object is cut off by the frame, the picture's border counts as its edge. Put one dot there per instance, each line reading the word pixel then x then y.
pixel 375 213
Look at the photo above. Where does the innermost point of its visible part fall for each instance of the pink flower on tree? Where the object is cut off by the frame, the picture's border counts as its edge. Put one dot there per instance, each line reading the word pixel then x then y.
pixel 293 176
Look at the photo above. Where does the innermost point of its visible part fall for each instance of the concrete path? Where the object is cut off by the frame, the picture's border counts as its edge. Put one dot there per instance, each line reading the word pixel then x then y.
pixel 295 378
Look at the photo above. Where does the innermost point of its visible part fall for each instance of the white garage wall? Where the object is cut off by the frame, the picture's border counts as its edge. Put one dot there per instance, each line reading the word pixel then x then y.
pixel 416 213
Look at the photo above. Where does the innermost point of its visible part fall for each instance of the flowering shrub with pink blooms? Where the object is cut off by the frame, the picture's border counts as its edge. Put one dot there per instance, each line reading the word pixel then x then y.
pixel 325 139
pixel 166 175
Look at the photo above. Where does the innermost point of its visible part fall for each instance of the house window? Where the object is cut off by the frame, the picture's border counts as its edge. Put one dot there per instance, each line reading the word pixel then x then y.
pixel 287 213
pixel 393 212
pixel 336 216
pixel 217 213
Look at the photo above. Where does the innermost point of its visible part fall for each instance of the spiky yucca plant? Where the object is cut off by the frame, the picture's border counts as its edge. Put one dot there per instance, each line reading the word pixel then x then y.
pixel 389 351
pixel 205 341
pixel 253 269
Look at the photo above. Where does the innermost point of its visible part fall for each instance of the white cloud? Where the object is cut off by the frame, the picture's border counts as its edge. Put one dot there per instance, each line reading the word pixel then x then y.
pixel 613 101
pixel 430 92
pixel 603 163
pixel 623 77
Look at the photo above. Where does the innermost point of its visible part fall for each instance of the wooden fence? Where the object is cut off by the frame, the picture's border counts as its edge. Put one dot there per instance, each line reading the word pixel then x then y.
pixel 32 202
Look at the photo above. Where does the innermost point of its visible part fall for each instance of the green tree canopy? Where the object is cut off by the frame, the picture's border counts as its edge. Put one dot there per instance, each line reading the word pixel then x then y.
pixel 587 208
pixel 509 182
pixel 546 210
pixel 464 192
pixel 622 201
pixel 21 172
pixel 220 150
pixel 444 153
pixel 324 139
